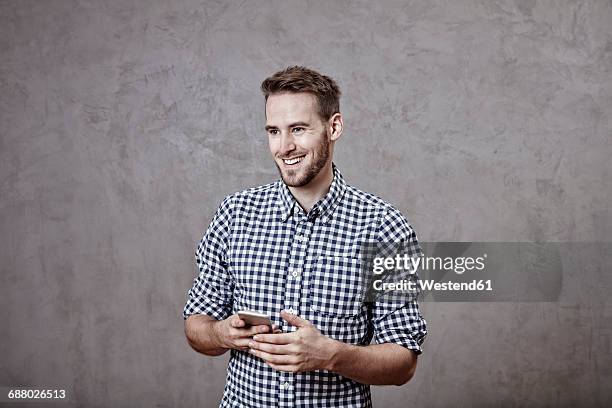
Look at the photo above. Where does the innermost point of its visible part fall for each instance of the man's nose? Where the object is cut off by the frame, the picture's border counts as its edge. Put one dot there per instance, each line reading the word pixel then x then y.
pixel 287 142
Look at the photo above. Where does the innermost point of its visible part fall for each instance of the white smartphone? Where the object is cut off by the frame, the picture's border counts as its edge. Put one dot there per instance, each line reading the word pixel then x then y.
pixel 255 319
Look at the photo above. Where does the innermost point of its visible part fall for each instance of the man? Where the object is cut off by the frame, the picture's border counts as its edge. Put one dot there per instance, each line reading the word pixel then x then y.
pixel 291 250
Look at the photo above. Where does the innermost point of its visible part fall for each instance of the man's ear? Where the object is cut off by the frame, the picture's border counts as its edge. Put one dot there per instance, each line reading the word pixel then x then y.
pixel 335 126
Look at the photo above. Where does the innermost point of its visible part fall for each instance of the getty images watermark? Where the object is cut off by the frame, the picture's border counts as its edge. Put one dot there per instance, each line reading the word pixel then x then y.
pixel 463 271
pixel 411 264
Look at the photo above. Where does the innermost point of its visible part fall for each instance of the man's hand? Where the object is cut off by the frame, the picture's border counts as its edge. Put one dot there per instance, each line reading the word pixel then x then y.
pixel 305 349
pixel 234 333
pixel 211 337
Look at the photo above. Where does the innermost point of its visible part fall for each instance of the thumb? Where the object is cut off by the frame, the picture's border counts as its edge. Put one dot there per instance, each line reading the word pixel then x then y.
pixel 236 321
pixel 294 320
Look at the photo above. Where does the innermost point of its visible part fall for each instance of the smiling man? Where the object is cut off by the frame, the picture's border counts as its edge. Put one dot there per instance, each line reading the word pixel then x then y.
pixel 291 249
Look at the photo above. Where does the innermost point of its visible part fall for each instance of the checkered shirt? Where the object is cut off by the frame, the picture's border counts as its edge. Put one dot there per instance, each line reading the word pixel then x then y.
pixel 261 252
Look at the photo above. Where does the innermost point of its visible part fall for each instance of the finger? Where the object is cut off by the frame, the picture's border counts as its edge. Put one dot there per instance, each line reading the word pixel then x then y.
pixel 237 322
pixel 251 331
pixel 285 349
pixel 294 320
pixel 280 338
pixel 259 329
pixel 280 359
pixel 242 344
pixel 288 368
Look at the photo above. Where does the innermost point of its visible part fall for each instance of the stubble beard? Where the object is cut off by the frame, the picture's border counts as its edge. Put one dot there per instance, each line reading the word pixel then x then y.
pixel 292 178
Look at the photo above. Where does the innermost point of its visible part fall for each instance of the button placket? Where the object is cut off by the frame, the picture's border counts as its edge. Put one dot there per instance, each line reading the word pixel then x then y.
pixel 297 256
pixel 285 386
pixel 293 296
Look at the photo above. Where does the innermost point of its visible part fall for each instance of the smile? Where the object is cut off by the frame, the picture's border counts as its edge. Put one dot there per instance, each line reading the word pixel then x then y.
pixel 294 160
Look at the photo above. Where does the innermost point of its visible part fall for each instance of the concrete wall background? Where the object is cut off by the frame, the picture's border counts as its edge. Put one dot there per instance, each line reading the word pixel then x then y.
pixel 124 123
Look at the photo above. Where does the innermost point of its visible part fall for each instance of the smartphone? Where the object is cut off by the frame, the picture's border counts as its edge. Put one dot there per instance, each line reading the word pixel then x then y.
pixel 255 319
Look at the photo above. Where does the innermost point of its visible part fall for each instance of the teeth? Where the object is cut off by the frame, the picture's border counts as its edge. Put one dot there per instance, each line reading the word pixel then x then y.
pixel 293 161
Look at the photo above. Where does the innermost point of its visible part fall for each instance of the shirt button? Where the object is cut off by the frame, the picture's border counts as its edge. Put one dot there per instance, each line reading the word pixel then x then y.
pixel 295 272
pixel 285 386
pixel 291 311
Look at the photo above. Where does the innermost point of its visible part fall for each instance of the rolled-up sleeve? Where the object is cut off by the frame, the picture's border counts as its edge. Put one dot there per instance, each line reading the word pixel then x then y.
pixel 400 324
pixel 394 320
pixel 212 290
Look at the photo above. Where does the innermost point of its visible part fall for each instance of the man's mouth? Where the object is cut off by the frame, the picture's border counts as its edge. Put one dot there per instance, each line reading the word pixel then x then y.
pixel 294 160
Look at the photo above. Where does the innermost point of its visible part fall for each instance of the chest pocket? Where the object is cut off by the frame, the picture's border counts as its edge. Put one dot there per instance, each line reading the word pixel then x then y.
pixel 335 287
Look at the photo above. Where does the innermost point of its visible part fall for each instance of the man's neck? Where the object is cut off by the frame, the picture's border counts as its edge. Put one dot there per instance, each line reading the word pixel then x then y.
pixel 309 194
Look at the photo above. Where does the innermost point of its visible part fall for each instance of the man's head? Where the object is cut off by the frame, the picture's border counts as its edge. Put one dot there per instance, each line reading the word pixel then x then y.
pixel 303 122
pixel 298 79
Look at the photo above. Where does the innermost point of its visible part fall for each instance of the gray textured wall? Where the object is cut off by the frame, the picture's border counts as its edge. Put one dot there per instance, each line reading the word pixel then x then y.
pixel 124 123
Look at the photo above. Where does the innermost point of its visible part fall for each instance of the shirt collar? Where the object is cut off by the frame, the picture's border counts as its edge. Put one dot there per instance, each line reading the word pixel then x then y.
pixel 322 208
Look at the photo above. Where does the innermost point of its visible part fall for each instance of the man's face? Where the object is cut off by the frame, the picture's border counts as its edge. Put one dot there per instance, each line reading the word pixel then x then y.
pixel 297 137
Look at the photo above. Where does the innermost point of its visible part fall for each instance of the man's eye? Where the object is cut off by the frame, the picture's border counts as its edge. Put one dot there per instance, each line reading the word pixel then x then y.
pixel 273 132
pixel 297 129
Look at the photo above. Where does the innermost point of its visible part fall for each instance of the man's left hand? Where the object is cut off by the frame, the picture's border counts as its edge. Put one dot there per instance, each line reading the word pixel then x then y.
pixel 305 349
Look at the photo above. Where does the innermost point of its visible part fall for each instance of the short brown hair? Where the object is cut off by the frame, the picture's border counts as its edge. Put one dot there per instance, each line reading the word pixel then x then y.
pixel 297 79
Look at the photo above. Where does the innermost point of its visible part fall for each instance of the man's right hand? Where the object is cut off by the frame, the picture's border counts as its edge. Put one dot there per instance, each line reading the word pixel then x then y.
pixel 234 333
pixel 213 337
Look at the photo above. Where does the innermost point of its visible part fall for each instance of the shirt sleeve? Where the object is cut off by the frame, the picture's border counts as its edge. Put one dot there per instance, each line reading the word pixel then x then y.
pixel 396 320
pixel 212 290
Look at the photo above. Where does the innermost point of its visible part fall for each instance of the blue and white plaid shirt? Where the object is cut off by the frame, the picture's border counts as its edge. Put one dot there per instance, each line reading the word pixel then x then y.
pixel 261 252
